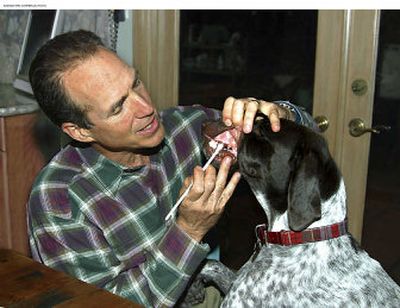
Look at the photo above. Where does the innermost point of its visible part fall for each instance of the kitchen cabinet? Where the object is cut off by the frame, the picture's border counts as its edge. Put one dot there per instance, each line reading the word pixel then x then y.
pixel 20 162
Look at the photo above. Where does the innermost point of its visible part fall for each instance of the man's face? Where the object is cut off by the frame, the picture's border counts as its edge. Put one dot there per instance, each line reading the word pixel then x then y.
pixel 118 104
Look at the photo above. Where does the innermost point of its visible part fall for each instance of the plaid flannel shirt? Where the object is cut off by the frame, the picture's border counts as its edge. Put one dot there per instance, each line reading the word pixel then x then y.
pixel 104 223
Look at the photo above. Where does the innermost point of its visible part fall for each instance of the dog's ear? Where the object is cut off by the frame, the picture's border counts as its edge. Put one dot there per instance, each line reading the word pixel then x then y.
pixel 304 198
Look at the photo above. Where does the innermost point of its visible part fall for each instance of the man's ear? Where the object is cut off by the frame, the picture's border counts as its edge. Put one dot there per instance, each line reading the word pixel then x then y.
pixel 77 133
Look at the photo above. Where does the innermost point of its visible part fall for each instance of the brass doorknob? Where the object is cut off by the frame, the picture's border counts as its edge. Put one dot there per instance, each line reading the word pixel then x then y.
pixel 357 128
pixel 322 122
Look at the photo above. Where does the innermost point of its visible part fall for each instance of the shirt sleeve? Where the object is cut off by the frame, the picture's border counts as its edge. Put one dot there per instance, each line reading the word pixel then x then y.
pixel 154 277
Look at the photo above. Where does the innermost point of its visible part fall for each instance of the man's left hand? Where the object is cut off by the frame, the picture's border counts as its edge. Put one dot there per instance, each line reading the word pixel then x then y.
pixel 241 112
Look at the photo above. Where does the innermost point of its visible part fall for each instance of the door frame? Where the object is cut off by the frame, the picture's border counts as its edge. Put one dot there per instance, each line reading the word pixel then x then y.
pixel 347 47
pixel 156 53
pixel 347 42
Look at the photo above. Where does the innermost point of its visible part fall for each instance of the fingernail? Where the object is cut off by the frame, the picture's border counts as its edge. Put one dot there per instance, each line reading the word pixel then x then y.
pixel 228 122
pixel 247 128
pixel 276 128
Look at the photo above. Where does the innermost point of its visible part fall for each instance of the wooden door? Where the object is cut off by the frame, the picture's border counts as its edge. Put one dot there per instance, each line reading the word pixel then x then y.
pixel 156 53
pixel 346 54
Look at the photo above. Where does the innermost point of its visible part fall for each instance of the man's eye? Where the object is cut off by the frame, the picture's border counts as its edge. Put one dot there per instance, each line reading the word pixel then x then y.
pixel 117 110
pixel 252 170
pixel 137 83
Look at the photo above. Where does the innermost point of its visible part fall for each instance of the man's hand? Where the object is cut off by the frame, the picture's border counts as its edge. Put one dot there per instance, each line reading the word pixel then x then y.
pixel 204 204
pixel 241 113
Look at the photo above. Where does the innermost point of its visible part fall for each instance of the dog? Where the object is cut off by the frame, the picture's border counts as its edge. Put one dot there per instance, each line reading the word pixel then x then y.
pixel 306 257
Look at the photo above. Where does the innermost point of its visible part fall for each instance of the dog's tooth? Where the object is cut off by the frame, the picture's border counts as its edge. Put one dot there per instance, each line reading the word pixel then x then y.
pixel 213 144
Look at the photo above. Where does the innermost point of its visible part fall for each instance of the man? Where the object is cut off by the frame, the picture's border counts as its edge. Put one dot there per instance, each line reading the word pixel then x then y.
pixel 97 210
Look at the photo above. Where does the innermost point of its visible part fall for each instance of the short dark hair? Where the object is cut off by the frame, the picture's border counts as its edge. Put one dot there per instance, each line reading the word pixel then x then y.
pixel 53 59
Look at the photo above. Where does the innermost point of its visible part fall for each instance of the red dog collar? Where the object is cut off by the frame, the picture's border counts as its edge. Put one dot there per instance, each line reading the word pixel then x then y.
pixel 288 238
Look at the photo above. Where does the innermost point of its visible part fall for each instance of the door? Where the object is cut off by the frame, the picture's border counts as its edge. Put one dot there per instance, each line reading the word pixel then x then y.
pixel 346 54
pixel 266 54
pixel 382 203
pixel 343 66
pixel 365 86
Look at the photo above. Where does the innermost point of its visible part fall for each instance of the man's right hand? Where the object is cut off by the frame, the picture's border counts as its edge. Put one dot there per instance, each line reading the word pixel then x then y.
pixel 204 204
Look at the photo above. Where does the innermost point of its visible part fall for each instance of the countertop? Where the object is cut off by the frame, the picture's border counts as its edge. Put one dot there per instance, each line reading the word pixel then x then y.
pixel 14 102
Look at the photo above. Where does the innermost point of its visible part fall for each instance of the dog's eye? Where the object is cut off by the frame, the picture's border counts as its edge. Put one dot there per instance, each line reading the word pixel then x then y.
pixel 252 171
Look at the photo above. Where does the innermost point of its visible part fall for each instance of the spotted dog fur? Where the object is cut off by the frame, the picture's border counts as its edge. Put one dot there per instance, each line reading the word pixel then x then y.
pixel 299 186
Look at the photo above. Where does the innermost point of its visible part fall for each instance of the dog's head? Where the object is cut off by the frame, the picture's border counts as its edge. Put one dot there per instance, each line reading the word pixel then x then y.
pixel 290 170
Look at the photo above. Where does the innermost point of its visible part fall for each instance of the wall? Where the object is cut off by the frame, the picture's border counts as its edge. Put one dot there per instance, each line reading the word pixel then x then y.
pixel 12 28
pixel 13 24
pixel 125 38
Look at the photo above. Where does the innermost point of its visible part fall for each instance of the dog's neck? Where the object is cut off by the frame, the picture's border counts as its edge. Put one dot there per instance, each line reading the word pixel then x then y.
pixel 333 210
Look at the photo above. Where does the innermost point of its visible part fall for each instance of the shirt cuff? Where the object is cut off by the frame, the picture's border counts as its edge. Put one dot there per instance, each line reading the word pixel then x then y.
pixel 182 250
pixel 294 109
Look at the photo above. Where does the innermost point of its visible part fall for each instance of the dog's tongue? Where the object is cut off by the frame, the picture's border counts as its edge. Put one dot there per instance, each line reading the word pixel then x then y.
pixel 215 132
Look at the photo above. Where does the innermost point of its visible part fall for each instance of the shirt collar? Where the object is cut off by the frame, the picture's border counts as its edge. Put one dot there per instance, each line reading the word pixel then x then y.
pixel 106 171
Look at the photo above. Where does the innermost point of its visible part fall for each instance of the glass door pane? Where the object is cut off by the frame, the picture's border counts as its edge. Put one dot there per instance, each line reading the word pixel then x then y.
pixel 265 54
pixel 382 207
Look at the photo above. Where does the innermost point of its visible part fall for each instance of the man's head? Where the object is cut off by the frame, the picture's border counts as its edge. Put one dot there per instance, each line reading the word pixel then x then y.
pixel 47 70
pixel 93 95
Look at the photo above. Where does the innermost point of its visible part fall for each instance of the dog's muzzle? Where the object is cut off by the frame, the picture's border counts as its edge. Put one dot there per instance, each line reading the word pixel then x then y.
pixel 214 132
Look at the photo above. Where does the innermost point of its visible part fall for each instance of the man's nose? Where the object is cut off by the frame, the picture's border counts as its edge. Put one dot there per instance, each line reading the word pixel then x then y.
pixel 141 106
